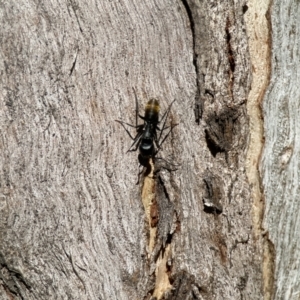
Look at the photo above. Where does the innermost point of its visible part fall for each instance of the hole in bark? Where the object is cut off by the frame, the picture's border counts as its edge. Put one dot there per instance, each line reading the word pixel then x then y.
pixel 229 48
pixel 209 92
pixel 245 8
pixel 213 148
pixel 212 210
pixel 221 130
pixel 213 193
pixel 169 238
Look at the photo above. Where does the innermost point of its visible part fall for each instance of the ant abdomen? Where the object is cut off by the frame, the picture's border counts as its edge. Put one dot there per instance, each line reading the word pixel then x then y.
pixel 152 111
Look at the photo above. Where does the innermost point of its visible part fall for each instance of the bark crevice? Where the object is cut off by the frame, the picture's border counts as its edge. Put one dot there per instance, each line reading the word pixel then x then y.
pixel 198 109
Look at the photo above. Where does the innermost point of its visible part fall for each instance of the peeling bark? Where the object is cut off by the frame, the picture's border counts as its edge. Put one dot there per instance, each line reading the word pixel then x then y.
pixel 259 28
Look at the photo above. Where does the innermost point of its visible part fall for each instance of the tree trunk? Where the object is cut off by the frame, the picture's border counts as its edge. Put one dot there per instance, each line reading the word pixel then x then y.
pixel 74 223
pixel 280 161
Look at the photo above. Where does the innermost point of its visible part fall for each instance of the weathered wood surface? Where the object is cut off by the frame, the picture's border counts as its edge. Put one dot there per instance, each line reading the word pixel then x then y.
pixel 73 224
pixel 280 163
pixel 259 38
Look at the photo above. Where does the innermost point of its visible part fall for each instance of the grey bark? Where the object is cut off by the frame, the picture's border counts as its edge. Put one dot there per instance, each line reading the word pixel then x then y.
pixel 74 224
pixel 280 163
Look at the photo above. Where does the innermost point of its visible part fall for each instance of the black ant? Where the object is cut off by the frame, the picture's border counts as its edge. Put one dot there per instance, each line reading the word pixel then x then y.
pixel 147 140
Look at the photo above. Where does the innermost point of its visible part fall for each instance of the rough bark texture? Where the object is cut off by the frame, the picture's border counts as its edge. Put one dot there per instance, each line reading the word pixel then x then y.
pixel 74 224
pixel 280 163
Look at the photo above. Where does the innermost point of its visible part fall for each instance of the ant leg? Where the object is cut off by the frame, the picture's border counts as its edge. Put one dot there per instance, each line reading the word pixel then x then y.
pixel 165 166
pixel 122 122
pixel 172 127
pixel 157 145
pixel 168 162
pixel 165 117
pixel 146 166
pixel 167 111
pixel 138 140
pixel 137 128
pixel 160 144
pixel 136 107
pixel 165 128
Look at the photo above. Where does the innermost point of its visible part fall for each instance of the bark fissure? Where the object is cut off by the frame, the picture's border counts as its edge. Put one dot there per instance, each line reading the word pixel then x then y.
pixel 150 206
pixel 74 64
pixel 164 188
pixel 12 279
pixel 269 251
pixel 164 279
pixel 75 7
pixel 231 59
pixel 259 32
pixel 198 110
pixel 163 256
pixel 269 267
pixel 214 193
pixel 221 130
pixel 185 286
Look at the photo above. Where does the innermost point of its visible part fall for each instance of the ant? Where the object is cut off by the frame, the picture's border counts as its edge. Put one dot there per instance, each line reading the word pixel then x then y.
pixel 147 139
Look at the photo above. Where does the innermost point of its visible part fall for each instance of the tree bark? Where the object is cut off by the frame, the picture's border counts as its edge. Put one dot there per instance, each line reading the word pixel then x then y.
pixel 74 223
pixel 280 161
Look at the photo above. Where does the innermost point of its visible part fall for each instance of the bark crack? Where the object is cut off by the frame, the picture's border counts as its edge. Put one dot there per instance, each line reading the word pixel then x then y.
pixel 74 63
pixel 163 273
pixel 198 105
pixel 161 253
pixel 230 54
pixel 75 7
pixel 150 206
pixel 12 278
pixel 258 17
pixel 164 188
